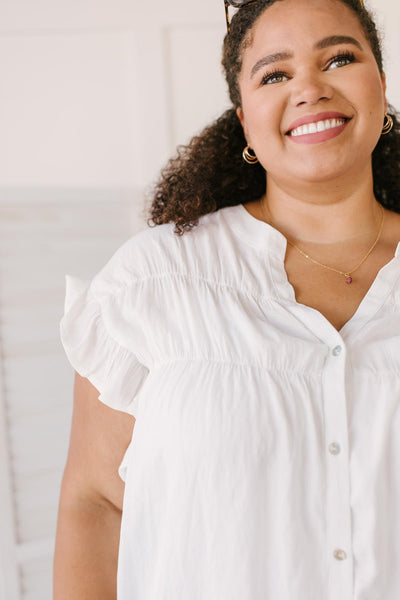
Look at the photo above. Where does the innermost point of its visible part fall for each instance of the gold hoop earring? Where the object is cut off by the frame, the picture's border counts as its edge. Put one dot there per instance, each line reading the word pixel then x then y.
pixel 249 157
pixel 387 125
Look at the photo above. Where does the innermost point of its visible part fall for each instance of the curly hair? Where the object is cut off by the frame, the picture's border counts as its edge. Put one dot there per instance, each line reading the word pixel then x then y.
pixel 209 173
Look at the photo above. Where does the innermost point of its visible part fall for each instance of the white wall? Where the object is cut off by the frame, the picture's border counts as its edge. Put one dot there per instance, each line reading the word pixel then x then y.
pixel 88 88
pixel 95 95
pixel 387 16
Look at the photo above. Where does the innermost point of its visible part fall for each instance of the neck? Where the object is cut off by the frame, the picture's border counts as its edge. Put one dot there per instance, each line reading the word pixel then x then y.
pixel 322 215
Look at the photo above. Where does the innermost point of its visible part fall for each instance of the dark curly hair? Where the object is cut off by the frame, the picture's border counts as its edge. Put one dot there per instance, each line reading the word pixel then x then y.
pixel 210 173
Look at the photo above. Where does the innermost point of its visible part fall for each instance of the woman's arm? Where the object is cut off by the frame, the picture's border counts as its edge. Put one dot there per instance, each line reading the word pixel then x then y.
pixel 89 518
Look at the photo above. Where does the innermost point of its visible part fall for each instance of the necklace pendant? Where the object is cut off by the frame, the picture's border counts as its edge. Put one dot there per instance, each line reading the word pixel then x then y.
pixel 349 279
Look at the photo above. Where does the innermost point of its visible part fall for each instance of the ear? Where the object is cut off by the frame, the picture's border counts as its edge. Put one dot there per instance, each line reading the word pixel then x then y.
pixel 240 116
pixel 383 77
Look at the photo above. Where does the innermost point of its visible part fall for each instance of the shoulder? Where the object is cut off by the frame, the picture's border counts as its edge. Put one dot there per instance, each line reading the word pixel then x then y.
pixel 157 251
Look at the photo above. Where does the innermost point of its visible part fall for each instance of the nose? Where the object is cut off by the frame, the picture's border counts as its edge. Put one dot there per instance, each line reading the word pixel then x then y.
pixel 310 87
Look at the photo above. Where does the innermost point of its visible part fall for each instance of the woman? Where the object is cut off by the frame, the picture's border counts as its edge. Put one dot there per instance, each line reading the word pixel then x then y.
pixel 254 334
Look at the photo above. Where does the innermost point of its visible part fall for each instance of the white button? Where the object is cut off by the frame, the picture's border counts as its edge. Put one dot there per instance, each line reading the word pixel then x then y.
pixel 337 350
pixel 340 554
pixel 334 448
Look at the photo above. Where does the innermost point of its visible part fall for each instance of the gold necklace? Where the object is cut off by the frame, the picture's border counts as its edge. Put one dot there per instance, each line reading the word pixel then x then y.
pixel 346 274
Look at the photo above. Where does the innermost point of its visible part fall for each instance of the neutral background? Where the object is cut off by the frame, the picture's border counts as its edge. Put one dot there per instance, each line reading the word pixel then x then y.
pixel 94 96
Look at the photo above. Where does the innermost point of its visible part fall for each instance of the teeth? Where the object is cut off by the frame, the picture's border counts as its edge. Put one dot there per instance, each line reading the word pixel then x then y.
pixel 317 127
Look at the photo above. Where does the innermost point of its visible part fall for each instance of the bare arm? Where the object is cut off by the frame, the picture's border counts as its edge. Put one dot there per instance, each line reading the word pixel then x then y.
pixel 89 519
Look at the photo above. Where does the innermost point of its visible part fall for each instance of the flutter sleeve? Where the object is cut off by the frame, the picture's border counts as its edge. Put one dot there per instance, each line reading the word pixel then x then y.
pixel 99 344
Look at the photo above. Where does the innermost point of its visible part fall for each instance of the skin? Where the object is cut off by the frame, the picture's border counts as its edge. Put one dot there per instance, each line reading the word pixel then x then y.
pixel 320 195
pixel 89 516
pixel 311 86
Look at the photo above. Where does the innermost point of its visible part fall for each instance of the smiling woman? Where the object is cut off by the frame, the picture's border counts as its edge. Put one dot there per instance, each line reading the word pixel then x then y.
pixel 312 70
pixel 253 332
pixel 212 164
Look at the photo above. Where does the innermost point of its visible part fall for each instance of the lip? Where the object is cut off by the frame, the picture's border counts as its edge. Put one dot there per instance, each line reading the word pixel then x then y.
pixel 323 116
pixel 320 136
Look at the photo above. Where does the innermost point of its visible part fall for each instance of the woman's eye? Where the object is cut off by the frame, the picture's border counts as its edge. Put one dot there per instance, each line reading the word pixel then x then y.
pixel 341 60
pixel 276 77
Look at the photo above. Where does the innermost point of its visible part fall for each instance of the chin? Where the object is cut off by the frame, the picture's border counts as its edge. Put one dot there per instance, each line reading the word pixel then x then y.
pixel 326 169
pixel 319 175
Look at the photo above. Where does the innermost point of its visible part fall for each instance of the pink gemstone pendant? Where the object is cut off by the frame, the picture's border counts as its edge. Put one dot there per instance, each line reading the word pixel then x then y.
pixel 349 280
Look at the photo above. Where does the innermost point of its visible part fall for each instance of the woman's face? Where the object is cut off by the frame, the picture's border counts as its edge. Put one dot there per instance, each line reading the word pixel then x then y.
pixel 313 99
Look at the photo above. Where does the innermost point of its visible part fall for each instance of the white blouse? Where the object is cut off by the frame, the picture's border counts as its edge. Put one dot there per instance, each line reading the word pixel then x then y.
pixel 265 459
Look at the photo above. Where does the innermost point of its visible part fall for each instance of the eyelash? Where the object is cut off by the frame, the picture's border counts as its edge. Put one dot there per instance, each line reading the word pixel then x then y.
pixel 268 76
pixel 345 55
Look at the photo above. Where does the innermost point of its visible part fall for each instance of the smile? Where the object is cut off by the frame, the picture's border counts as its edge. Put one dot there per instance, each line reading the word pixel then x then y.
pixel 317 127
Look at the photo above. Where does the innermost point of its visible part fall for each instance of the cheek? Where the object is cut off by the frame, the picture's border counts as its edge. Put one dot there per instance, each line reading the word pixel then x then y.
pixel 371 105
pixel 262 120
pixel 368 93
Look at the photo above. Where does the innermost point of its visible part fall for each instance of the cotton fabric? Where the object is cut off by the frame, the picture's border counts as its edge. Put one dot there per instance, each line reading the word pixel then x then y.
pixel 265 459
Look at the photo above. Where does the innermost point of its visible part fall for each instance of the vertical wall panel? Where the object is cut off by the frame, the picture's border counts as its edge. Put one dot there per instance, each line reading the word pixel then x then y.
pixel 152 106
pixel 387 14
pixel 196 79
pixel 72 98
pixel 9 574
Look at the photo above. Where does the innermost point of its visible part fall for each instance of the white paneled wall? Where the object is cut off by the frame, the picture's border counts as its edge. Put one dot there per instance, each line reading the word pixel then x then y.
pixel 9 575
pixel 88 88
pixel 74 100
pixel 196 76
pixel 40 241
pixel 95 95
pixel 90 110
pixel 387 14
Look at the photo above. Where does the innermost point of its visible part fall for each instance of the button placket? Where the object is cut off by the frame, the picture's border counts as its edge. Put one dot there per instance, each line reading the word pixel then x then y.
pixel 337 475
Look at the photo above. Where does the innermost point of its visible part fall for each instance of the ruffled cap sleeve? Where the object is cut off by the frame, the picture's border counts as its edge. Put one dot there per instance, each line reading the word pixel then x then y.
pixel 95 351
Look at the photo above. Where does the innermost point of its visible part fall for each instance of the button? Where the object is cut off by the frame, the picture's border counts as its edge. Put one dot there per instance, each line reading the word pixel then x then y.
pixel 340 554
pixel 337 350
pixel 334 448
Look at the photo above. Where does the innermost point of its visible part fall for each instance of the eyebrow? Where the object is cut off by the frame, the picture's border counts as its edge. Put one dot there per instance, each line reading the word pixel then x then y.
pixel 332 40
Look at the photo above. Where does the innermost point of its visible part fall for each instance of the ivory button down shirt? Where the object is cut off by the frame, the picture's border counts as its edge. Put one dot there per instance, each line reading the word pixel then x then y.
pixel 265 459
